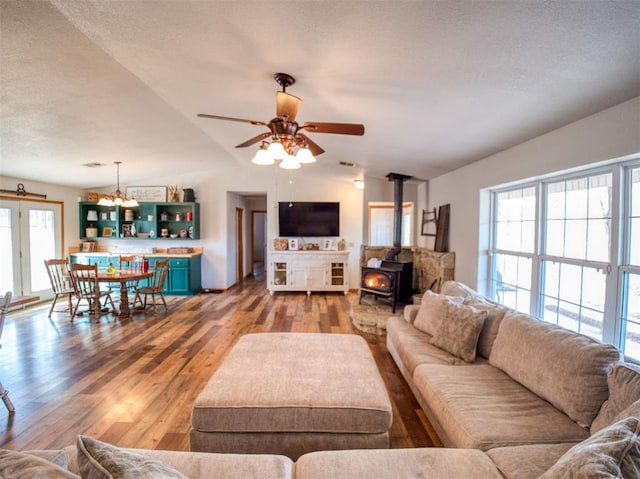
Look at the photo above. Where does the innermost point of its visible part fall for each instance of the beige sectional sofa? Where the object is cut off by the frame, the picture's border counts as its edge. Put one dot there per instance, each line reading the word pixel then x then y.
pixel 509 395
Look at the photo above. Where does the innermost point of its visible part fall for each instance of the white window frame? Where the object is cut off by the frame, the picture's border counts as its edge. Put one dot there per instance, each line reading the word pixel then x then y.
pixel 619 254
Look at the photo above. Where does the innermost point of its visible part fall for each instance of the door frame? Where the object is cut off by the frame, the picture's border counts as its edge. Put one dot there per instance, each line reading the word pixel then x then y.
pixel 22 274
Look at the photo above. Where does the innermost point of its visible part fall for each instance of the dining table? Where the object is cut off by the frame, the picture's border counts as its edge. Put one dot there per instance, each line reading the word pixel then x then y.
pixel 124 276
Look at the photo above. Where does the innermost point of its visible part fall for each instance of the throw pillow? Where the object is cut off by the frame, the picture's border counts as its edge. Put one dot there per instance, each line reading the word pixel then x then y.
pixel 99 460
pixel 459 330
pixel 495 315
pixel 623 380
pixel 20 465
pixel 432 311
pixel 612 452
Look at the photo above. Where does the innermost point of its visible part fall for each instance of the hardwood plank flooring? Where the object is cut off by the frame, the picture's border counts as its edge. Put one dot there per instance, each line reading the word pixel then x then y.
pixel 132 382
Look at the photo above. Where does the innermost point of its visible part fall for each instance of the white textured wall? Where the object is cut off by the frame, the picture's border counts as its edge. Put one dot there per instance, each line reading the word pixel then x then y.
pixel 608 135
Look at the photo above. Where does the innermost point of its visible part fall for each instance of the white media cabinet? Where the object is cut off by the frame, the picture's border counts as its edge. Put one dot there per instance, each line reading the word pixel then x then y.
pixel 308 271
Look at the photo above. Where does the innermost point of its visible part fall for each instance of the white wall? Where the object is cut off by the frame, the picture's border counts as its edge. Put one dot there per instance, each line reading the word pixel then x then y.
pixel 217 211
pixel 606 136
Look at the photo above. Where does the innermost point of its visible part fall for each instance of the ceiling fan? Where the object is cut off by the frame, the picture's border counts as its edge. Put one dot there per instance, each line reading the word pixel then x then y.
pixel 284 130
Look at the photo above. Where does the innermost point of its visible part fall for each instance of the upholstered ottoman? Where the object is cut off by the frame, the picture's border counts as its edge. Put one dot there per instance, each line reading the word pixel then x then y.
pixel 292 393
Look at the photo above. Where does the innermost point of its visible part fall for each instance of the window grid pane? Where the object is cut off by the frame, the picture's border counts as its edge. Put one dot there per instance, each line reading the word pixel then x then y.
pixel 578 218
pixel 574 297
pixel 512 281
pixel 634 226
pixel 630 343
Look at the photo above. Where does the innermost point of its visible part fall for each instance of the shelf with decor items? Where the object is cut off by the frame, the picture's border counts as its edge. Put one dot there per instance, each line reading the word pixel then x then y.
pixel 147 221
pixel 308 271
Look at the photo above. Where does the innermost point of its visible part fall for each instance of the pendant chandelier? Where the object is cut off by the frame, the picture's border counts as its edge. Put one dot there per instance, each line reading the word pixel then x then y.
pixel 118 199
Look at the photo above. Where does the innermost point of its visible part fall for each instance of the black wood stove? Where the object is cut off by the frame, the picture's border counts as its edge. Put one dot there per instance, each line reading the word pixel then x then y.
pixel 393 279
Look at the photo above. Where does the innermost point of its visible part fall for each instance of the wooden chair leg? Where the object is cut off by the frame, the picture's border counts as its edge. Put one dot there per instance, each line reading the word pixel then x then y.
pixel 53 305
pixel 4 394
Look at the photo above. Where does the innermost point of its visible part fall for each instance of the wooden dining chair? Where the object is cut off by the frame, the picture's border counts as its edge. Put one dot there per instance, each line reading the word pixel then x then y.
pixel 4 308
pixel 155 288
pixel 128 262
pixel 85 278
pixel 61 283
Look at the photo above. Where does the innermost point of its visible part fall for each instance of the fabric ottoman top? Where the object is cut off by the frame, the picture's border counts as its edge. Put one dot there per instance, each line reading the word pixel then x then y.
pixel 295 382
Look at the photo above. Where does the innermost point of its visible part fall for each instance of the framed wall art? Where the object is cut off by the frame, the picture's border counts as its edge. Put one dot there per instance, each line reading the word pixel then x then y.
pixel 107 232
pixel 156 194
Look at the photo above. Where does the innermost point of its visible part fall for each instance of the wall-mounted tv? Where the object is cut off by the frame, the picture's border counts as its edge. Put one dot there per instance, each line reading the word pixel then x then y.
pixel 301 218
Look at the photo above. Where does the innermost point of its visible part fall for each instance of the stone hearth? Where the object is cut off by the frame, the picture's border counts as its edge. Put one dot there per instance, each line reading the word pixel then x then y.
pixel 371 316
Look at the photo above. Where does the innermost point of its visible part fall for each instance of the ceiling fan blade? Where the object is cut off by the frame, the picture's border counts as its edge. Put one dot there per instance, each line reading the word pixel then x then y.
pixel 339 128
pixel 253 140
pixel 287 106
pixel 313 146
pixel 242 120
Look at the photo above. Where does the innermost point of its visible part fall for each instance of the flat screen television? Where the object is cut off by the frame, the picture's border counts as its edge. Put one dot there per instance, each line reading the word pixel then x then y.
pixel 301 218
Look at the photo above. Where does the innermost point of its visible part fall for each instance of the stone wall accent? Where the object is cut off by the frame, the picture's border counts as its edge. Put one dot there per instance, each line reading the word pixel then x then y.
pixel 430 268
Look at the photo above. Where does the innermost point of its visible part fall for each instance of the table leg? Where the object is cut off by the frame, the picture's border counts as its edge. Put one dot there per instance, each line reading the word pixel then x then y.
pixel 125 312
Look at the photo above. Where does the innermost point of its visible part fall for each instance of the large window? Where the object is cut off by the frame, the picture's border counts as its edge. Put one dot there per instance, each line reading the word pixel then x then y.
pixel 630 271
pixel 557 253
pixel 515 214
pixel 575 259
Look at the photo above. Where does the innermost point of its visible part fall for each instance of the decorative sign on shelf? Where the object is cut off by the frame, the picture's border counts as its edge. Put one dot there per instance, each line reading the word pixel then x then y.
pixel 147 193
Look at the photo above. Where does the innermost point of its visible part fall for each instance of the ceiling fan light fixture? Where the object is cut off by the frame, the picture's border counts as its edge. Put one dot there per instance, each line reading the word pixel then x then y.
pixel 304 156
pixel 290 163
pixel 263 157
pixel 276 150
pixel 118 199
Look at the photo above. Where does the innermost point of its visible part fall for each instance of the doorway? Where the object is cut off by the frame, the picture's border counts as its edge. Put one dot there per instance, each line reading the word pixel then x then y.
pixel 240 247
pixel 30 232
pixel 258 241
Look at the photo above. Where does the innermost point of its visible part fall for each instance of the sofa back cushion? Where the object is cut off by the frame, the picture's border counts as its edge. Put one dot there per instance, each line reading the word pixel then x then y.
pixel 624 389
pixel 458 331
pixel 612 452
pixel 455 288
pixel 433 311
pixel 495 314
pixel 563 367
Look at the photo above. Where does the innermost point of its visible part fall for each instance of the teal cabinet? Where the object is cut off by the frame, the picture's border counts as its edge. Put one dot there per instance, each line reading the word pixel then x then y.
pixel 147 221
pixel 184 277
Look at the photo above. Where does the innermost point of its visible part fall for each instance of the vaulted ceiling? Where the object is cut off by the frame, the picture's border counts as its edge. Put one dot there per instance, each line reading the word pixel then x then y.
pixel 437 84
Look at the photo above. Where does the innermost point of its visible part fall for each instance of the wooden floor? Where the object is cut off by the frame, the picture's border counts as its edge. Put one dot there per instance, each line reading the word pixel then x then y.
pixel 132 382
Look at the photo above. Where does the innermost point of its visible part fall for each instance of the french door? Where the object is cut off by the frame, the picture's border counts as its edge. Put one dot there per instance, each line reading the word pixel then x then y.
pixel 30 232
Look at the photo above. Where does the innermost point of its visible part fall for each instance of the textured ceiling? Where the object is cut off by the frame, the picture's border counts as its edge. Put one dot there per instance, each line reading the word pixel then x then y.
pixel 437 84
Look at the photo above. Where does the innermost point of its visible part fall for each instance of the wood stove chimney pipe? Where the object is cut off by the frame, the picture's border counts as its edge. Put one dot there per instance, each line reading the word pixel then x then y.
pixel 398 181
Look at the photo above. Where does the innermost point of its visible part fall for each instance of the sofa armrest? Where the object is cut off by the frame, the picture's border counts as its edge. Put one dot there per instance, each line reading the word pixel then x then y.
pixel 410 312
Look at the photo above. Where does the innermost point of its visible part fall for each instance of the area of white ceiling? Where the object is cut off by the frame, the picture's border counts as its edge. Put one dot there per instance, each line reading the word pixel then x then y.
pixel 437 84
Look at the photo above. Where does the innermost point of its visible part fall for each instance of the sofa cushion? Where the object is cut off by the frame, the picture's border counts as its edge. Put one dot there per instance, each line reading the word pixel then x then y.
pixel 196 465
pixel 432 463
pixel 489 332
pixel 611 452
pixel 413 347
pixel 456 288
pixel 624 389
pixel 457 332
pixel 527 462
pixel 566 368
pixel 433 311
pixel 99 460
pixel 22 465
pixel 481 407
